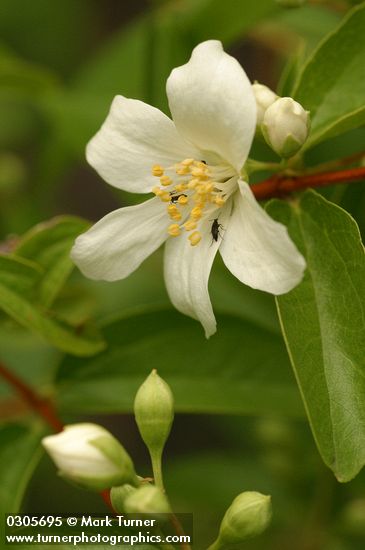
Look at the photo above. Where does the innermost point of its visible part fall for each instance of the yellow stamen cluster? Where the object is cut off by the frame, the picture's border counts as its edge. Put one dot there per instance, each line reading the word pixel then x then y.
pixel 194 188
pixel 174 230
pixel 195 238
pixel 157 170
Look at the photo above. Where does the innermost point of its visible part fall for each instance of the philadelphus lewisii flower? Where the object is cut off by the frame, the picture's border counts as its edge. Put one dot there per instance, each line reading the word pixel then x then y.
pixel 90 456
pixel 194 165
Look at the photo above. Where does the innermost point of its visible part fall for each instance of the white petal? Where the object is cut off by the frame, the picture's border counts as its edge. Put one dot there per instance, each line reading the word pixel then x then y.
pixel 258 250
pixel 117 244
pixel 133 138
pixel 212 103
pixel 187 270
pixel 72 452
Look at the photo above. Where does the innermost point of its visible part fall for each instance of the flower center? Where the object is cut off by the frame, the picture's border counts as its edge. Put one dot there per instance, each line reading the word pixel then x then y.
pixel 189 189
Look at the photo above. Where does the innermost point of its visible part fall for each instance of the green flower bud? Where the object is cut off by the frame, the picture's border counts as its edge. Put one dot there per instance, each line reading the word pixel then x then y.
pixel 264 98
pixel 90 456
pixel 119 494
pixel 154 412
pixel 147 499
pixel 248 516
pixel 286 126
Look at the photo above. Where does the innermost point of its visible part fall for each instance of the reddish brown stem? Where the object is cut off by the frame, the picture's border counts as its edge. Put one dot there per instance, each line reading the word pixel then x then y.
pixel 43 407
pixel 279 186
pixel 179 531
pixel 39 404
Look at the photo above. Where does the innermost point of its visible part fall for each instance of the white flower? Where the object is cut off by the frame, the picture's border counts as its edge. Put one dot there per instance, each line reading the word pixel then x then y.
pixel 202 203
pixel 89 455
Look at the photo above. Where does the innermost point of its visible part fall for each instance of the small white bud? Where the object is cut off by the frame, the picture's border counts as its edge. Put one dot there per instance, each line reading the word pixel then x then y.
pixel 286 126
pixel 90 456
pixel 264 98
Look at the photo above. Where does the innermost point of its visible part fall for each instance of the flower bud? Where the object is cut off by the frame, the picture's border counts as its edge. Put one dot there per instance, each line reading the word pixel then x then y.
pixel 286 126
pixel 90 456
pixel 264 98
pixel 248 516
pixel 119 494
pixel 154 412
pixel 147 499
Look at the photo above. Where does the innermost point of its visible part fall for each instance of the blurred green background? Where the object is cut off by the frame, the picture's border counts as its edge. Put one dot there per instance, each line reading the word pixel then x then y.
pixel 61 63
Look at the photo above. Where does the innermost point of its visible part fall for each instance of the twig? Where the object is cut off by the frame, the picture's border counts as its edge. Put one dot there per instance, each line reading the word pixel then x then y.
pixel 42 406
pixel 281 185
pixel 45 409
pixel 179 531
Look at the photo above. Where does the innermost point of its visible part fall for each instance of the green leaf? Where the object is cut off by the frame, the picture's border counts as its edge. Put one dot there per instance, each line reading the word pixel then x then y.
pixel 120 65
pixel 290 73
pixel 48 245
pixel 31 279
pixel 323 321
pixel 227 20
pixel 309 24
pixel 332 83
pixel 18 274
pixel 55 35
pixel 19 455
pixel 31 358
pixel 63 337
pixel 24 77
pixel 233 372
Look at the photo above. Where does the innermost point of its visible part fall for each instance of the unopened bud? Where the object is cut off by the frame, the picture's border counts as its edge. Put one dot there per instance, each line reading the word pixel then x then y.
pixel 119 494
pixel 291 3
pixel 154 412
pixel 286 126
pixel 264 98
pixel 147 499
pixel 248 516
pixel 90 456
